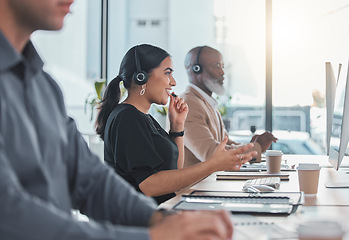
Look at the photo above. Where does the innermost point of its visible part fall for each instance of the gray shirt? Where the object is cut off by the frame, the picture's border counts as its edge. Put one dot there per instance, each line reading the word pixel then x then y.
pixel 46 168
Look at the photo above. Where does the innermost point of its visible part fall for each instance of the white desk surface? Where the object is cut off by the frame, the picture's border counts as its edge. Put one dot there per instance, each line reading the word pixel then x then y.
pixel 329 203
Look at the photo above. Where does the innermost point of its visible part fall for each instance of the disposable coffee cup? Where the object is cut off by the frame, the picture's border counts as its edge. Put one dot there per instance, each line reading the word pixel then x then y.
pixel 308 178
pixel 320 230
pixel 273 160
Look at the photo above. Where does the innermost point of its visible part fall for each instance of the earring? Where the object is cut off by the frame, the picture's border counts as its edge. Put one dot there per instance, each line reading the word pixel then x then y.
pixel 143 90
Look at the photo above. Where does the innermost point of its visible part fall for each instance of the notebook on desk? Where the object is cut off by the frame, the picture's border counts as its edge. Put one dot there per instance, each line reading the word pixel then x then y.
pixel 281 203
pixel 250 175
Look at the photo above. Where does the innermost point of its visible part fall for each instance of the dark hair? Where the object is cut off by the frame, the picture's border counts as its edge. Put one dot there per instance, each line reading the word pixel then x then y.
pixel 150 57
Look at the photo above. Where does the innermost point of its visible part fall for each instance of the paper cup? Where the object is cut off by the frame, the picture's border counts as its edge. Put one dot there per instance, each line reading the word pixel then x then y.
pixel 308 178
pixel 273 160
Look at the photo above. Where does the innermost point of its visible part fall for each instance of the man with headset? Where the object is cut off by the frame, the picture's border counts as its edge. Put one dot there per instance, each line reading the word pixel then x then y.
pixel 204 128
pixel 46 168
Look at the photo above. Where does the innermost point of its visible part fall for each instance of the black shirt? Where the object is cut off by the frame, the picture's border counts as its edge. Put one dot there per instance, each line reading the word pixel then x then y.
pixel 136 146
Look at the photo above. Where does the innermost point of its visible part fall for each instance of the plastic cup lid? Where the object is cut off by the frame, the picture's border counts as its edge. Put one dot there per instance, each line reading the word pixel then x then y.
pixel 308 166
pixel 273 153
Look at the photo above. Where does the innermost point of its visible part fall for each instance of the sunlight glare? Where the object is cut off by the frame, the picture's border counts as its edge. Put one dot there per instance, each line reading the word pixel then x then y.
pixel 286 32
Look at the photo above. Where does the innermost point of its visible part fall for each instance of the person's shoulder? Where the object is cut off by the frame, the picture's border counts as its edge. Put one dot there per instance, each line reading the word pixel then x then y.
pixel 193 99
pixel 127 113
pixel 125 110
pixel 189 93
pixel 51 81
pixel 54 89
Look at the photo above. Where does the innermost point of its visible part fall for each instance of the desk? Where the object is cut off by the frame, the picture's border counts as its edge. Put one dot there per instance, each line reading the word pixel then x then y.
pixel 330 203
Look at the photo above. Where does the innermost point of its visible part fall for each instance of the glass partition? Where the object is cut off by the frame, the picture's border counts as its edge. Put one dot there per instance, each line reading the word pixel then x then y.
pixel 306 34
pixel 236 28
pixel 72 58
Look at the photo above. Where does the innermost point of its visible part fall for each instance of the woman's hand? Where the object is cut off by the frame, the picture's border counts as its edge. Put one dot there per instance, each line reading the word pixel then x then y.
pixel 232 159
pixel 177 113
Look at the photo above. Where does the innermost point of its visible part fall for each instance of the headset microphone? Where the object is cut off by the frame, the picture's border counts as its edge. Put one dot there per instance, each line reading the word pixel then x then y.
pixel 197 68
pixel 140 77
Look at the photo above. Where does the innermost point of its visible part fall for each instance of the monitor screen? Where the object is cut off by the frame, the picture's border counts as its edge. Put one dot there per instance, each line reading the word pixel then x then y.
pixel 340 121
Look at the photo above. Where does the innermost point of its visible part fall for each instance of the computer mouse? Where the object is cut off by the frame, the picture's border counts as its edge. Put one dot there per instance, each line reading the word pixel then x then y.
pixel 250 189
pixel 264 188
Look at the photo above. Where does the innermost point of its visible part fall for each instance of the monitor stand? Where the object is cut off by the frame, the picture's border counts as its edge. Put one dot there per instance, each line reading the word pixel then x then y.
pixel 339 182
pixel 337 185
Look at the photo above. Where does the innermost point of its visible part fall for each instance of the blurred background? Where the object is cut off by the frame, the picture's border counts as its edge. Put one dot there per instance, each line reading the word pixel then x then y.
pixel 274 53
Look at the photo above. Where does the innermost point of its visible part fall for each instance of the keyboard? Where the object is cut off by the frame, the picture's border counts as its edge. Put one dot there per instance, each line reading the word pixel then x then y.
pixel 263 167
pixel 269 181
pixel 250 199
pixel 257 204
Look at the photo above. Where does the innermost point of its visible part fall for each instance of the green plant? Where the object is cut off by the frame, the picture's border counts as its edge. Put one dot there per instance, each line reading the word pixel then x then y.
pixel 95 100
pixel 222 110
pixel 223 104
pixel 162 110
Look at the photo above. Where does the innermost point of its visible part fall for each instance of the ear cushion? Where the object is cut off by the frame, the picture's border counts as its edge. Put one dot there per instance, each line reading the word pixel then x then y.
pixel 197 68
pixel 140 77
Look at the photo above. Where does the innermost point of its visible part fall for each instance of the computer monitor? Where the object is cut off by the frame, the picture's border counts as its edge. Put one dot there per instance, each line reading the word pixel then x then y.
pixel 331 83
pixel 340 122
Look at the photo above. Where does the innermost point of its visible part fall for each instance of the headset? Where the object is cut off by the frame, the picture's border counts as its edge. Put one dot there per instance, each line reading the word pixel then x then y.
pixel 140 77
pixel 197 68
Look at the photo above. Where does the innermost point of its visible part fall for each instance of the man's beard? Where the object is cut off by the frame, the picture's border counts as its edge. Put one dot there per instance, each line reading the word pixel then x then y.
pixel 214 86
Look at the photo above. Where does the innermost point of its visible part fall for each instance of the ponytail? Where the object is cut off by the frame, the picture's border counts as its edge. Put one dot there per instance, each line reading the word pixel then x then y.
pixel 110 100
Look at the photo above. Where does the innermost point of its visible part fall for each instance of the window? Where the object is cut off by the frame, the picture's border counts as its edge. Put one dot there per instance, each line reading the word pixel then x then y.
pixel 72 57
pixel 306 34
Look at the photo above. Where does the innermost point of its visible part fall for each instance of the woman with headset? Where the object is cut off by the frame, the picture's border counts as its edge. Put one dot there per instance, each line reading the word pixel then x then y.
pixel 136 146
